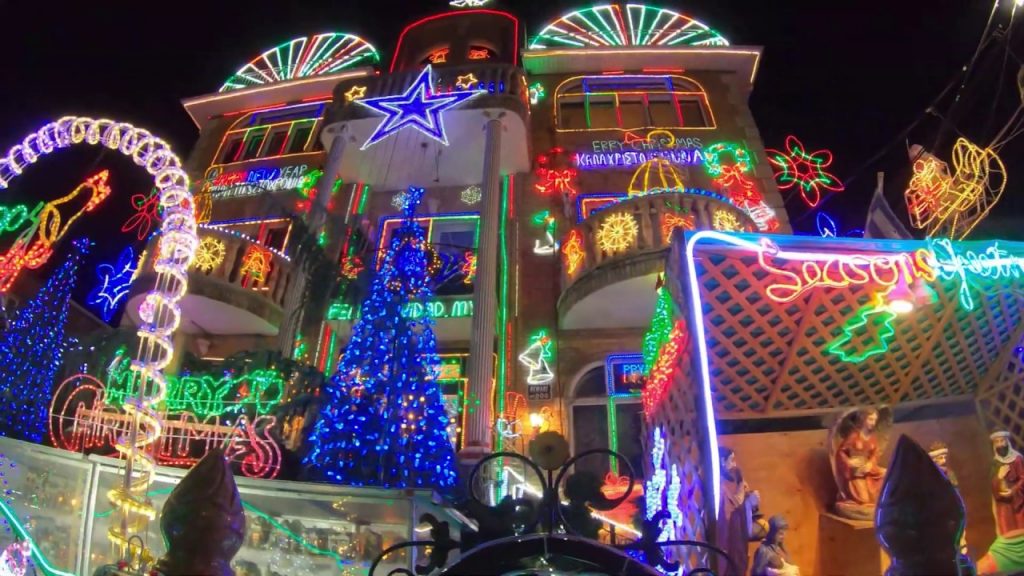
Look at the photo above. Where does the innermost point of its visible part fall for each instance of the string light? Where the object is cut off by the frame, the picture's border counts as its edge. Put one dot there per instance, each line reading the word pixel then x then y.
pixel 209 254
pixel 439 56
pixel 556 180
pixel 536 92
pixel 14 217
pixel 617 233
pixel 161 315
pixel 16 559
pixel 536 357
pixel 383 421
pixel 573 252
pixel 660 329
pixel 398 200
pixel 666 177
pixel 303 57
pixel 471 195
pixel 147 211
pixel 115 280
pixel 671 222
pixel 606 25
pixel 221 230
pixel 805 170
pixel 352 266
pixel 255 263
pixel 860 320
pixel 32 250
pixel 549 245
pixel 418 107
pixel 355 93
pixel 732 176
pixel 660 380
pixel 468 268
pixel 32 349
pixel 953 205
pixel 726 221
pixel 467 3
pixel 826 225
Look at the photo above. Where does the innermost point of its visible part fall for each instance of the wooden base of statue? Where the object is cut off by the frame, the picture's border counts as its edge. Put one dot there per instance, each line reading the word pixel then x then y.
pixel 855 512
pixel 848 547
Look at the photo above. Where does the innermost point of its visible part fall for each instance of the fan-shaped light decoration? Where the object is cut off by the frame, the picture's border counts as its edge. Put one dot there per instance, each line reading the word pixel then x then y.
pixel 301 57
pixel 952 205
pixel 209 254
pixel 655 176
pixel 617 232
pixel 629 25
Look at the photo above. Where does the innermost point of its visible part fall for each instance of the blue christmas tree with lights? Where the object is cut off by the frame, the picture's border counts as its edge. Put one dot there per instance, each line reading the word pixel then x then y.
pixel 383 421
pixel 31 350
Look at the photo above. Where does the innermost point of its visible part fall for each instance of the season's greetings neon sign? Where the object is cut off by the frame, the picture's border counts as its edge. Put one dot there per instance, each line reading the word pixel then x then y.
pixel 255 181
pixel 941 259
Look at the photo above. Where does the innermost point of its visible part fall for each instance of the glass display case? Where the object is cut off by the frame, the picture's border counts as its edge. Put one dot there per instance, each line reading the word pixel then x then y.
pixel 292 528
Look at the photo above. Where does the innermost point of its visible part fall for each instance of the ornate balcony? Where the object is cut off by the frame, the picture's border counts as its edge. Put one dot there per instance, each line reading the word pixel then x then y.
pixel 611 260
pixel 411 156
pixel 235 286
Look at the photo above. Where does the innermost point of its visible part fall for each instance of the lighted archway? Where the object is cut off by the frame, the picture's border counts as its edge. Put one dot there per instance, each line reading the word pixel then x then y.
pixel 626 25
pixel 159 311
pixel 302 57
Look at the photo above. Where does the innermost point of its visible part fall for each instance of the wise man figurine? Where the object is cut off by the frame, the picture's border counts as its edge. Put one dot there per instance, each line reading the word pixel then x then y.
pixel 1006 555
pixel 737 525
pixel 858 475
pixel 771 557
pixel 939 453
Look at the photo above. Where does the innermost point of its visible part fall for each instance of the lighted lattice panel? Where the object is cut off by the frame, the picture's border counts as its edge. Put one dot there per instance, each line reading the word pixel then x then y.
pixel 1002 400
pixel 683 426
pixel 769 357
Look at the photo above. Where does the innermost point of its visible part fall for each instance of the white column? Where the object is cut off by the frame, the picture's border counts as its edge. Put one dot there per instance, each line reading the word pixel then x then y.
pixel 318 218
pixel 481 364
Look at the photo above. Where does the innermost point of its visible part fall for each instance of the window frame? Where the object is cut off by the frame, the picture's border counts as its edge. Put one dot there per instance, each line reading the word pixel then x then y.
pixel 679 89
pixel 610 402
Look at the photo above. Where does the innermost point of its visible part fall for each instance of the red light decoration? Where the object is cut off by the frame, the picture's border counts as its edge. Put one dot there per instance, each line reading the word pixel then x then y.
pixel 83 420
pixel 670 222
pixel 439 56
pixel 928 186
pixel 256 263
pixel 147 211
pixel 351 266
pixel 515 31
pixel 664 368
pixel 798 167
pixel 549 179
pixel 479 54
pixel 468 267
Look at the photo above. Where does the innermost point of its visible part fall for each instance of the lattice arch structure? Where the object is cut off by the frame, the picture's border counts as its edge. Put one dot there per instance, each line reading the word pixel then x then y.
pixel 626 25
pixel 303 57
pixel 159 312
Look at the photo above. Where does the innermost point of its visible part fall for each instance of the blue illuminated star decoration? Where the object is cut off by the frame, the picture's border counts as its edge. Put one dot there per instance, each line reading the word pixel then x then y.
pixel 417 107
pixel 115 279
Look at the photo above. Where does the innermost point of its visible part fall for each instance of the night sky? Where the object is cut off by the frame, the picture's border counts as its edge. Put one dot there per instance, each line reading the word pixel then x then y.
pixel 847 75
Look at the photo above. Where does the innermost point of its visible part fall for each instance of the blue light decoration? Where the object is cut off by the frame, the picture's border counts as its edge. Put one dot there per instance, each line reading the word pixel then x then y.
pixel 625 374
pixel 826 225
pixel 31 352
pixel 418 107
pixel 115 280
pixel 383 421
pixel 662 493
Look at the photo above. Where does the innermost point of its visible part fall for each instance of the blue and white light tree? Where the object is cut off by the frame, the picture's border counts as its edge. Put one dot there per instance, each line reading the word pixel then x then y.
pixel 383 422
pixel 31 351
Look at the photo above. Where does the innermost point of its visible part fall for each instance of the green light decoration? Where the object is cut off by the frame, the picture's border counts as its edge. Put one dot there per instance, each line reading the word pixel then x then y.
pixel 857 330
pixel 536 92
pixel 303 57
pixel 202 394
pixel 503 325
pixel 660 330
pixel 629 25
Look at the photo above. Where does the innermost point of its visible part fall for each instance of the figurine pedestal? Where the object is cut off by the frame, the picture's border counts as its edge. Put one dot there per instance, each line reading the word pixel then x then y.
pixel 848 547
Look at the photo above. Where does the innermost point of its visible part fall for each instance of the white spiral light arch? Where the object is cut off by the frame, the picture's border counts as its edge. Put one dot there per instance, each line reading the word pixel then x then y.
pixel 159 311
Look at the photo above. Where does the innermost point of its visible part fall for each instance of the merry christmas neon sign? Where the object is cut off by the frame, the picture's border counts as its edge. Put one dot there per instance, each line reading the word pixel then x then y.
pixel 458 308
pixel 634 150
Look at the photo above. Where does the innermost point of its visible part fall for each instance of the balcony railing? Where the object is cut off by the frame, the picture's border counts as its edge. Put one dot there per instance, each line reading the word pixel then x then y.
pixel 641 225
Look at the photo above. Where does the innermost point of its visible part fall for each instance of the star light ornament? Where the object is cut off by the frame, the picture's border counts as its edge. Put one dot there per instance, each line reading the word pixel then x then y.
pixel 115 279
pixel 418 107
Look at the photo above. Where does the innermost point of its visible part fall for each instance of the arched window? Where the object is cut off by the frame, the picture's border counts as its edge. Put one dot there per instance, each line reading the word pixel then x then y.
pixel 631 102
pixel 270 133
pixel 598 420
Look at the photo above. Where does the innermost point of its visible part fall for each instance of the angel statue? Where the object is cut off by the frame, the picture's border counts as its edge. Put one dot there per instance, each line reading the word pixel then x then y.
pixel 856 442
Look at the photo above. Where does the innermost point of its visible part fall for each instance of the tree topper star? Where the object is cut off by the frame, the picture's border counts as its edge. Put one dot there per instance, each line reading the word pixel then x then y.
pixel 417 107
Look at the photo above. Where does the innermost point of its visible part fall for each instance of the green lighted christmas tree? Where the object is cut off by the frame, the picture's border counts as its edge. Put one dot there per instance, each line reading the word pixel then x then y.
pixel 383 422
pixel 31 350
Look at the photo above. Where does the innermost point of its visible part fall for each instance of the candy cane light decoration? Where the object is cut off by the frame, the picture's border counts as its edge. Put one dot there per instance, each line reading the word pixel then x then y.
pixel 159 312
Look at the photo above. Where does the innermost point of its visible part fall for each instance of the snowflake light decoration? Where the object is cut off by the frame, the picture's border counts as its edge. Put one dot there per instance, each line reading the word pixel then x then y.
pixel 209 254
pixel 617 232
pixel 471 195
pixel 398 200
pixel 806 170
pixel 726 221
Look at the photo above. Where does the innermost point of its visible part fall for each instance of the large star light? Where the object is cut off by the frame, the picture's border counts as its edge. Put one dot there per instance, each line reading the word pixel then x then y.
pixel 418 108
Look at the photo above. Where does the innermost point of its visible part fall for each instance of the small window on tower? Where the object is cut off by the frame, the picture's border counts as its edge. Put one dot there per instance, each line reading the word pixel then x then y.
pixel 253 143
pixel 231 150
pixel 300 137
pixel 275 144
